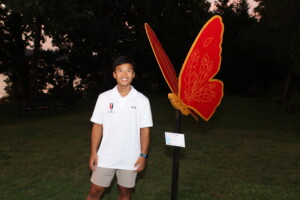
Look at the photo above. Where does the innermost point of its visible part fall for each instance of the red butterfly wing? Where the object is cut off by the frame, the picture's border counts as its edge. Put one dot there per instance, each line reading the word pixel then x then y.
pixel 197 88
pixel 164 62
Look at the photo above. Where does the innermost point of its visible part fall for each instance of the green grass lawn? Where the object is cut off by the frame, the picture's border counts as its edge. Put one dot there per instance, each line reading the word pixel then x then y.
pixel 250 149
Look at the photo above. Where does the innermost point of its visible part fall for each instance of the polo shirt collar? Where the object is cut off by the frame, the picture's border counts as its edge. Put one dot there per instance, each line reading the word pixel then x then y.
pixel 132 92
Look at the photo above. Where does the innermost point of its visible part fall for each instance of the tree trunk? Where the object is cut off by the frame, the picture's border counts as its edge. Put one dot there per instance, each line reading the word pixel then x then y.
pixel 19 77
pixel 35 58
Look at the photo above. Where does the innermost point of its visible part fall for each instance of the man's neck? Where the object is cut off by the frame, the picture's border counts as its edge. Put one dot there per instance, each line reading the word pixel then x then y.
pixel 124 90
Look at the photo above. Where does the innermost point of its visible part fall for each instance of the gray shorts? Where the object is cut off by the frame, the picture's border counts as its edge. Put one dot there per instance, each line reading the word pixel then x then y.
pixel 104 176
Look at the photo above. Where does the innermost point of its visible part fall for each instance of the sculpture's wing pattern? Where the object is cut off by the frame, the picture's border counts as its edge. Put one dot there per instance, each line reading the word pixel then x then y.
pixel 197 88
pixel 196 91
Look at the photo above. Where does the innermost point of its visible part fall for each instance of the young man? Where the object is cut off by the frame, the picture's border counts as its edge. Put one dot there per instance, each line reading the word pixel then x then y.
pixel 122 117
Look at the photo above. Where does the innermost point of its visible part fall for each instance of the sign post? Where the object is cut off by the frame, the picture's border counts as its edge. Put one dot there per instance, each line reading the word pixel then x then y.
pixel 176 151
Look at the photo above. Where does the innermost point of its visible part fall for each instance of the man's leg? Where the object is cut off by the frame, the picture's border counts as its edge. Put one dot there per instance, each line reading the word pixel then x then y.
pixel 124 193
pixel 95 192
pixel 126 181
pixel 101 179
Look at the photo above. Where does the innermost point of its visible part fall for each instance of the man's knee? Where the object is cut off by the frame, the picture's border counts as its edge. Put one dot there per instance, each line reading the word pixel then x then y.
pixel 123 191
pixel 96 191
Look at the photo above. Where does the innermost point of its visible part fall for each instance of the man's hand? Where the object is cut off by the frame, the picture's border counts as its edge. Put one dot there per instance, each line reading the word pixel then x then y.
pixel 93 161
pixel 140 164
pixel 96 137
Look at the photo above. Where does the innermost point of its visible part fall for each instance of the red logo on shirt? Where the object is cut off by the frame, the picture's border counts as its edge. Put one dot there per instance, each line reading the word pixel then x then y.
pixel 111 106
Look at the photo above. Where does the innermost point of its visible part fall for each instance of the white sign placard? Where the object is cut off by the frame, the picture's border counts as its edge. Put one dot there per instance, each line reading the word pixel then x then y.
pixel 175 139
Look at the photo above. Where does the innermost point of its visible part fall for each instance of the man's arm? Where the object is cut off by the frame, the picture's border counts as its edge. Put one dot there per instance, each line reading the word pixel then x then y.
pixel 145 141
pixel 96 137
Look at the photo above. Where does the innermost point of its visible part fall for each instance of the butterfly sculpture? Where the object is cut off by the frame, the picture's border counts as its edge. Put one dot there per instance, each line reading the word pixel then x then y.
pixel 195 92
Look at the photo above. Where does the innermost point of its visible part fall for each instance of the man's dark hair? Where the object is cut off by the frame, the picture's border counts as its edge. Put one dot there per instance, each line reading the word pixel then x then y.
pixel 122 60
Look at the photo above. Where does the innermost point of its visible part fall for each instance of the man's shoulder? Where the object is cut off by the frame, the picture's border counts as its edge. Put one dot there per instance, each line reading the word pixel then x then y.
pixel 106 93
pixel 142 97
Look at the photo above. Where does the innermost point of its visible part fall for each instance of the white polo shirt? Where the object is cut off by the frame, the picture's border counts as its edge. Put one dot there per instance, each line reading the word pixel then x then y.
pixel 122 118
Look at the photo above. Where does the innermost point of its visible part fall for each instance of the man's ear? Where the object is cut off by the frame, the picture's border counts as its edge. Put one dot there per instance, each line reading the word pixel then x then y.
pixel 114 75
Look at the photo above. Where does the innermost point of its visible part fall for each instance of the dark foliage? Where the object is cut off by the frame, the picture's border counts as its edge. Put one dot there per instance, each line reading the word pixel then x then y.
pixel 260 51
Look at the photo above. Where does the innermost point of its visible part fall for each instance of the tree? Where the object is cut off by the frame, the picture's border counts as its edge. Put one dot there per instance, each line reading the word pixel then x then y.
pixel 25 23
pixel 32 17
pixel 238 52
pixel 280 17
pixel 88 37
pixel 12 53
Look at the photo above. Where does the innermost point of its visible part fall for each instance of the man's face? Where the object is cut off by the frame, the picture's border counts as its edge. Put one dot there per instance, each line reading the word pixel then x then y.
pixel 124 74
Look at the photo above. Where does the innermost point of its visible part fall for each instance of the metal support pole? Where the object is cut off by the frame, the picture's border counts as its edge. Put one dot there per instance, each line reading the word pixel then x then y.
pixel 176 159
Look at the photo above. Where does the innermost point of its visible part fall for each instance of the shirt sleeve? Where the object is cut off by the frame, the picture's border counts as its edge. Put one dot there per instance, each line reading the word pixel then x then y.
pixel 97 116
pixel 146 117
